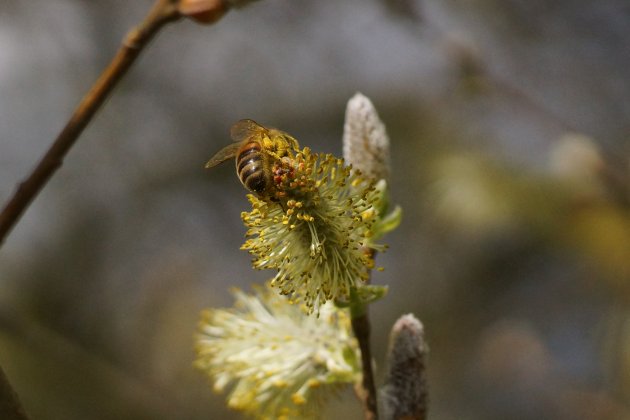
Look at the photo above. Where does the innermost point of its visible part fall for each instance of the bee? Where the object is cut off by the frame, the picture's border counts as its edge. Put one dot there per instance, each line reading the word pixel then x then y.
pixel 257 150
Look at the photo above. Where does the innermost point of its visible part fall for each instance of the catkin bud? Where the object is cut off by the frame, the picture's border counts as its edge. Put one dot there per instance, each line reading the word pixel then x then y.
pixel 404 395
pixel 365 140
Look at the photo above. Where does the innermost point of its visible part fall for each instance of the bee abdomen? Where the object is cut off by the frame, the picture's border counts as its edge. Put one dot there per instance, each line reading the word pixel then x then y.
pixel 249 166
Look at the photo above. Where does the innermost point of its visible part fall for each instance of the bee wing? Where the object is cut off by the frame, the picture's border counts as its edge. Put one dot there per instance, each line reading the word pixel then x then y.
pixel 244 129
pixel 224 154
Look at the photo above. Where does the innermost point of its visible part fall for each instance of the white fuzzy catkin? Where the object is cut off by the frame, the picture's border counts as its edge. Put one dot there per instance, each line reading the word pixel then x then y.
pixel 365 140
pixel 273 360
pixel 404 395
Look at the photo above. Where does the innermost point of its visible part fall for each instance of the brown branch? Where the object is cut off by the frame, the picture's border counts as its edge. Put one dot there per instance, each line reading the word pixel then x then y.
pixel 162 12
pixel 10 407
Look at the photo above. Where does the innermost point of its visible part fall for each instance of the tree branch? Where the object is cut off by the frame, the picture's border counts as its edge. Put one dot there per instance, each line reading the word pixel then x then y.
pixel 10 407
pixel 162 12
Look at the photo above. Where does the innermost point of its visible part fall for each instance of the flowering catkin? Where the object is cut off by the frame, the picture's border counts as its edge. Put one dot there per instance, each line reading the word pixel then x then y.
pixel 317 234
pixel 278 362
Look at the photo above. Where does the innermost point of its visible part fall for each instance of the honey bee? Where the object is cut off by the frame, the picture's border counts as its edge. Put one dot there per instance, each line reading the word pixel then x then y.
pixel 257 149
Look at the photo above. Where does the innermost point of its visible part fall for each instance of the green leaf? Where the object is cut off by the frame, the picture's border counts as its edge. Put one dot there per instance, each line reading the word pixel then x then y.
pixel 370 293
pixel 388 223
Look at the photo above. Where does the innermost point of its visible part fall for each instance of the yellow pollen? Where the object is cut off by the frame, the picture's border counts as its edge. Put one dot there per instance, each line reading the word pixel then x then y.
pixel 298 399
pixel 314 383
pixel 281 383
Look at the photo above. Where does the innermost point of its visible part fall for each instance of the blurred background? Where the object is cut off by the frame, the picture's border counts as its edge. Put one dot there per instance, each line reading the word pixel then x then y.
pixel 509 122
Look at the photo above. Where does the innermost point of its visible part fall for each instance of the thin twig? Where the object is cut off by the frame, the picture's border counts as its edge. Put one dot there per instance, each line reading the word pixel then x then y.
pixel 162 12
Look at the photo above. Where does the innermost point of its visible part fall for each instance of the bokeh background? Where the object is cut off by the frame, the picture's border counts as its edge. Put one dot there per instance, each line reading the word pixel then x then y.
pixel 509 122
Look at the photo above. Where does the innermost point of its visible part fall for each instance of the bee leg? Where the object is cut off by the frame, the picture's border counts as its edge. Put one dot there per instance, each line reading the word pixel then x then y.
pixel 273 154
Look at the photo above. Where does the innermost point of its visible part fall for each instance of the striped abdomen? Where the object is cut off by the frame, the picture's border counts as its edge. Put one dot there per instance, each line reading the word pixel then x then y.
pixel 250 167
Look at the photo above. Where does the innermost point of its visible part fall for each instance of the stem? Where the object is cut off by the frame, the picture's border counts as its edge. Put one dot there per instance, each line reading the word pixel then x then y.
pixel 361 328
pixel 162 12
pixel 367 395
